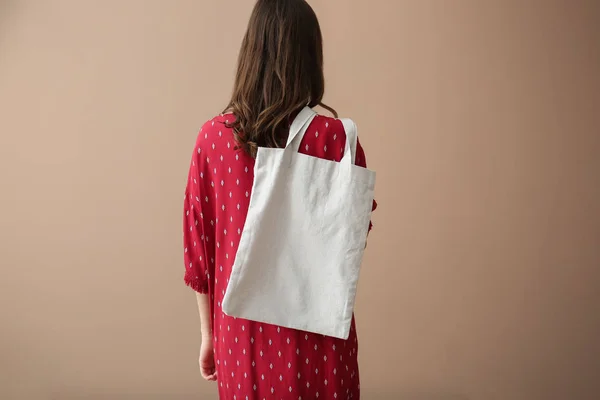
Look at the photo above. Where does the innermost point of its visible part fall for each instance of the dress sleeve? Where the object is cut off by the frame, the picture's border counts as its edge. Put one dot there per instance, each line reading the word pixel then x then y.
pixel 195 252
pixel 361 161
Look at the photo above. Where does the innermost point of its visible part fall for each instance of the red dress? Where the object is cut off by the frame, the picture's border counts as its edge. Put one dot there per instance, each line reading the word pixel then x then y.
pixel 256 361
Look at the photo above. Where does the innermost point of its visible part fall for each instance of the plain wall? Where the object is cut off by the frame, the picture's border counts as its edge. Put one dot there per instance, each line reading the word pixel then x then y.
pixel 481 280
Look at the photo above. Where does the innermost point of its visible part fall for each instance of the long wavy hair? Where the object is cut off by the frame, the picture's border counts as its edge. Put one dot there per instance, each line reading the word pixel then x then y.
pixel 280 70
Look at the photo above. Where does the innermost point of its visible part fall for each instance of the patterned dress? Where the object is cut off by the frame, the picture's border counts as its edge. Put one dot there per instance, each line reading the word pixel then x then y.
pixel 256 361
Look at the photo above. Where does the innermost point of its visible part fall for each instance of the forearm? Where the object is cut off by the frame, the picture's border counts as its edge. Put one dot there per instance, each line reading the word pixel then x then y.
pixel 204 311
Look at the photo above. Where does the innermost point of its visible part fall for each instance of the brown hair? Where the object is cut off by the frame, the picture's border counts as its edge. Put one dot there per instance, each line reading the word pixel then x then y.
pixel 280 70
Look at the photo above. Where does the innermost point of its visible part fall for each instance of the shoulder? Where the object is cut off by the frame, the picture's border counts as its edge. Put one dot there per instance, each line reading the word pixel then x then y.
pixel 326 129
pixel 324 138
pixel 328 124
pixel 215 125
pixel 213 141
pixel 214 129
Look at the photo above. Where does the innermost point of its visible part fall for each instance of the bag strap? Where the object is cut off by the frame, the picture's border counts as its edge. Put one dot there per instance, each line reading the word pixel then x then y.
pixel 351 140
pixel 299 127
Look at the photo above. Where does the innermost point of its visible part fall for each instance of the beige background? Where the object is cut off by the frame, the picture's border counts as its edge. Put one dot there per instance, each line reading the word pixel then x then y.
pixel 481 117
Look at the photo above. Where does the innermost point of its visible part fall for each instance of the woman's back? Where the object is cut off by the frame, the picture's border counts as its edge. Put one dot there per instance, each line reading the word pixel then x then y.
pixel 255 360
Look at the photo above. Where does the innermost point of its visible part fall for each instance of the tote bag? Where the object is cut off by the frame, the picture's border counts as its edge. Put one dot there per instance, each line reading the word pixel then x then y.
pixel 302 245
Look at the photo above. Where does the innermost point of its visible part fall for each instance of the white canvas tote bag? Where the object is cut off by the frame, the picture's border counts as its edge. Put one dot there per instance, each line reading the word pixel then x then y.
pixel 300 252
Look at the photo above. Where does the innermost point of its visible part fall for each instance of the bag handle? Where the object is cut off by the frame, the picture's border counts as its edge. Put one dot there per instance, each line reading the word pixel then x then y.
pixel 299 127
pixel 351 141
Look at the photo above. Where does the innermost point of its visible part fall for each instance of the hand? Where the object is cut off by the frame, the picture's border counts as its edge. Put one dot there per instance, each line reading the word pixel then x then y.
pixel 207 360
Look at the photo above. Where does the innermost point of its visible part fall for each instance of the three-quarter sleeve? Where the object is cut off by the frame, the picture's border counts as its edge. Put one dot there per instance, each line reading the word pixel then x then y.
pixel 361 161
pixel 196 255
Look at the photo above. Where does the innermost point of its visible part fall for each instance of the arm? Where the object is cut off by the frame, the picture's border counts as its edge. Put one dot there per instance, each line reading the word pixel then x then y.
pixel 206 360
pixel 204 311
pixel 197 273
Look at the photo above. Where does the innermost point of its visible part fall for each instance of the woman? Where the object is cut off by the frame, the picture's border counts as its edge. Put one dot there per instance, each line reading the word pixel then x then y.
pixel 280 71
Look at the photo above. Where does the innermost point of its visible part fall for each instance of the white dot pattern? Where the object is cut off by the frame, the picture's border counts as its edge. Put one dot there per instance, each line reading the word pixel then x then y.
pixel 256 361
